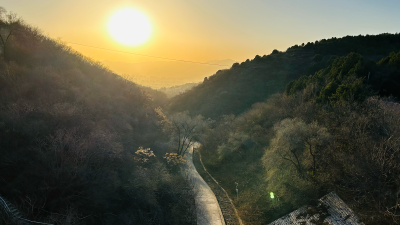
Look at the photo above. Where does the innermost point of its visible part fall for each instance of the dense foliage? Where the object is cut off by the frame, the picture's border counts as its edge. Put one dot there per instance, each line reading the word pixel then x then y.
pixel 302 150
pixel 350 77
pixel 71 139
pixel 334 130
pixel 233 91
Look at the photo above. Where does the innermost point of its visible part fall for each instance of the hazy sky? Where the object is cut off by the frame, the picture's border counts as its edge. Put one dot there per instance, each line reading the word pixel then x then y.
pixel 204 30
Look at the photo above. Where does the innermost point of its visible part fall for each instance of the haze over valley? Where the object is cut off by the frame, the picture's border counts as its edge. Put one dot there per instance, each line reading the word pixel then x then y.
pixel 158 74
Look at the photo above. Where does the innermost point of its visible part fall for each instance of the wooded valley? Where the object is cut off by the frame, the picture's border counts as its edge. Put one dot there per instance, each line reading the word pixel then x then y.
pixel 83 145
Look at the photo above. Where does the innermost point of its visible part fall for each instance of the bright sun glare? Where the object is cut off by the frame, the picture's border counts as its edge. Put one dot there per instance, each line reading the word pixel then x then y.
pixel 129 27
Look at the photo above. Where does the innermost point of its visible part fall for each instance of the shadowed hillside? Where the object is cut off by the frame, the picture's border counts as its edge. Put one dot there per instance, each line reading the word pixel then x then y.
pixel 79 144
pixel 233 91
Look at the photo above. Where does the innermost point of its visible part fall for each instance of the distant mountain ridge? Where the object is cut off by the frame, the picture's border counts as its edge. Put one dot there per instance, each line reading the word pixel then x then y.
pixel 158 74
pixel 177 89
pixel 234 90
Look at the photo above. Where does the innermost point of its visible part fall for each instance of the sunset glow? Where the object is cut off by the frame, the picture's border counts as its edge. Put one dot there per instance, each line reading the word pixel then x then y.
pixel 129 27
pixel 214 32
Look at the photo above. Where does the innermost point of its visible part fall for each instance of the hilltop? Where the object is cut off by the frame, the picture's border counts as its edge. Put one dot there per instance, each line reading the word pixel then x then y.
pixel 234 90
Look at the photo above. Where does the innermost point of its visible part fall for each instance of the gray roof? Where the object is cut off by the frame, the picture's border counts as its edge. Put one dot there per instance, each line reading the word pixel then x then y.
pixel 329 210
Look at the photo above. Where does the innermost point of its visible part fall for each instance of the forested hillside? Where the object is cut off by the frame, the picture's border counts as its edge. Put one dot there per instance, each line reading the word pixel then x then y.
pixel 334 130
pixel 233 91
pixel 79 144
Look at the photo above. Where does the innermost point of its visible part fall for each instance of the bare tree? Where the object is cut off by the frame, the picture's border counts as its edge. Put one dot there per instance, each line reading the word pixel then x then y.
pixel 185 130
pixel 9 25
pixel 300 144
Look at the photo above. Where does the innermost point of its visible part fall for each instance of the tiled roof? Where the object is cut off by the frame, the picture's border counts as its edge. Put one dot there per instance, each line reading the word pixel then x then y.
pixel 330 210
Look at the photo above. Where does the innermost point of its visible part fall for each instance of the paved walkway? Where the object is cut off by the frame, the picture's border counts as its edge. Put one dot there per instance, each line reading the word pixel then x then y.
pixel 207 207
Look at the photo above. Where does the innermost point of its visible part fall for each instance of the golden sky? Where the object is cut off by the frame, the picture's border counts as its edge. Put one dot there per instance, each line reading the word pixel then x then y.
pixel 203 30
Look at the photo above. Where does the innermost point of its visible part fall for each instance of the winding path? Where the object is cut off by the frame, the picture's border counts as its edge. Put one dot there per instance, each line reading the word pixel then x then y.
pixel 207 207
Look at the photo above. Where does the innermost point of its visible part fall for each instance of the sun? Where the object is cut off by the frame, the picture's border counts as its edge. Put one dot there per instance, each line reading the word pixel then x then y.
pixel 129 27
